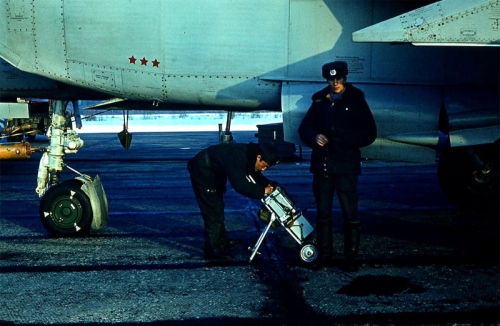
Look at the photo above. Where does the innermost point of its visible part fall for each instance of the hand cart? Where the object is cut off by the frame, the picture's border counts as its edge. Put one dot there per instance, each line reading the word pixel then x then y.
pixel 283 210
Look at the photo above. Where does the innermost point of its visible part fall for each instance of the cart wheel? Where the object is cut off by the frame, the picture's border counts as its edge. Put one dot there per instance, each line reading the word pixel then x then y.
pixel 308 253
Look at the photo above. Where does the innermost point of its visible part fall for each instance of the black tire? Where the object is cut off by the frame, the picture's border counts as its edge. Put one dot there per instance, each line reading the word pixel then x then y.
pixel 463 185
pixel 65 210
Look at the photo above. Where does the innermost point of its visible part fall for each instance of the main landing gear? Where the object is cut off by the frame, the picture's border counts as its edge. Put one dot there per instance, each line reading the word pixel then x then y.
pixel 469 176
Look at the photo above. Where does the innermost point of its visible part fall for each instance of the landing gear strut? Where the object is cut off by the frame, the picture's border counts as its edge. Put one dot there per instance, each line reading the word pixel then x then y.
pixel 74 206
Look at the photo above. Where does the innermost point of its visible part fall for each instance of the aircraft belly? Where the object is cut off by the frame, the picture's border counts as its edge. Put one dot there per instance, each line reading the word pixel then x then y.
pixel 385 149
pixel 295 101
pixel 476 136
pixel 238 93
pixel 400 109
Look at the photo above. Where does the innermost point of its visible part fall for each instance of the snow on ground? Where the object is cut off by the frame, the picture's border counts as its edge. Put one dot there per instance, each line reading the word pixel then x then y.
pixel 178 122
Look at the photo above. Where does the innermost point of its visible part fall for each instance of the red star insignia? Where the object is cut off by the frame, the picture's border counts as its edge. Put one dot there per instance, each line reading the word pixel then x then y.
pixel 156 63
pixel 144 62
pixel 132 59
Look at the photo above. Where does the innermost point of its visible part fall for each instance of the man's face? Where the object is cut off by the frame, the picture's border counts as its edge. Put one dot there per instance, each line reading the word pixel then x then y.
pixel 260 165
pixel 337 84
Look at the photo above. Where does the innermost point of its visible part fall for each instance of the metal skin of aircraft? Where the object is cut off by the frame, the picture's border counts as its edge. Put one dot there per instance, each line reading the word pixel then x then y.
pixel 236 55
pixel 25 111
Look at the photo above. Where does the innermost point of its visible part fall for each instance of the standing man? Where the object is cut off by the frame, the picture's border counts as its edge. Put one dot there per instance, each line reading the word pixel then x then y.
pixel 336 125
pixel 242 165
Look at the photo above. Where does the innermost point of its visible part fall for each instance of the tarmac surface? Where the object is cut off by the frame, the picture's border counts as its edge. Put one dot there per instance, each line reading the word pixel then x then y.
pixel 422 261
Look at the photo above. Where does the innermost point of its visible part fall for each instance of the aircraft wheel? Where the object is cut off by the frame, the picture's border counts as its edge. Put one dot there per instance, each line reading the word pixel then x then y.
pixel 65 210
pixel 464 185
pixel 308 253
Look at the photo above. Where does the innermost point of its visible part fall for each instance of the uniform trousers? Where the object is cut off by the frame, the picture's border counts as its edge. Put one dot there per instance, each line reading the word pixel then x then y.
pixel 211 204
pixel 324 188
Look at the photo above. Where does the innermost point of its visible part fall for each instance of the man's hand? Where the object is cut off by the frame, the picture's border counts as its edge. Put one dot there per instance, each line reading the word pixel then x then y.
pixel 268 190
pixel 321 140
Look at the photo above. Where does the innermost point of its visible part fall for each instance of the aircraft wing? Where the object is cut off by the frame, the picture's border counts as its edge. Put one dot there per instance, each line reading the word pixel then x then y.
pixel 126 104
pixel 447 22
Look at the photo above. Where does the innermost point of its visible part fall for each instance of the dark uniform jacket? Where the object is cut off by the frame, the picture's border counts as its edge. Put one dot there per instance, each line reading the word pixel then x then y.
pixel 213 166
pixel 347 123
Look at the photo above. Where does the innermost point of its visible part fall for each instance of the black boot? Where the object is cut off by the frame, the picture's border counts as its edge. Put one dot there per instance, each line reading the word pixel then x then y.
pixel 351 246
pixel 231 243
pixel 213 253
pixel 217 243
pixel 324 240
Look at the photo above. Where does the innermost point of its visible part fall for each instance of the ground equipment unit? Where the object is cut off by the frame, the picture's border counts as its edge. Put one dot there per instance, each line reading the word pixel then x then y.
pixel 283 211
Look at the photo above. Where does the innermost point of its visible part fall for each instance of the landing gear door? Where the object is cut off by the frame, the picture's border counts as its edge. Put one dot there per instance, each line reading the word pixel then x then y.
pixel 295 101
pixel 98 200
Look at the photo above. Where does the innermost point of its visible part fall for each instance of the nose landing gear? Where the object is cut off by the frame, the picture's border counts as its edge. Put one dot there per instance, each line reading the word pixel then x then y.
pixel 72 207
